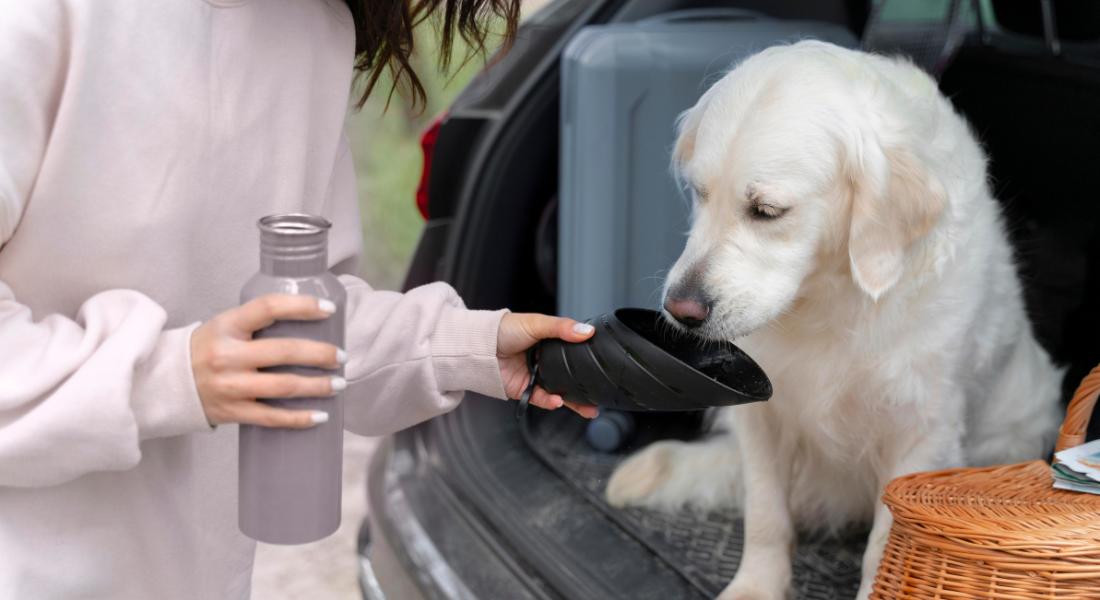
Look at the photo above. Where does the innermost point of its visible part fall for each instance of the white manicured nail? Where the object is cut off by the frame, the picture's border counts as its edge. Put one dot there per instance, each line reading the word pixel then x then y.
pixel 326 306
pixel 339 384
pixel 341 356
pixel 583 328
pixel 318 417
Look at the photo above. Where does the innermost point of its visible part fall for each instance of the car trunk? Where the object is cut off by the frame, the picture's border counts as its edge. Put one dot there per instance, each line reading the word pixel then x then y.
pixel 530 490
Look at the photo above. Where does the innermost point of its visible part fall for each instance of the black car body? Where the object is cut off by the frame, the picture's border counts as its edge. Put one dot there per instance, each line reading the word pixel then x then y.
pixel 477 504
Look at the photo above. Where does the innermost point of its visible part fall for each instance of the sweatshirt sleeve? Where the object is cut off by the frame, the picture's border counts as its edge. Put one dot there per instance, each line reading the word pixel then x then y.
pixel 77 395
pixel 413 355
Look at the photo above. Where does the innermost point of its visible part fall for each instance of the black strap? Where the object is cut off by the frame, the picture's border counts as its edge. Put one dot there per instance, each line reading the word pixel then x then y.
pixel 525 397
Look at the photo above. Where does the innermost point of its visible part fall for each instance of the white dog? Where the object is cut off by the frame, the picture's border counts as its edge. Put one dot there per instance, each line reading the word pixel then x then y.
pixel 844 233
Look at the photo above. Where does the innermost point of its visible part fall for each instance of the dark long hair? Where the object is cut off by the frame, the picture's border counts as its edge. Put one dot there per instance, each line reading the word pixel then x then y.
pixel 384 36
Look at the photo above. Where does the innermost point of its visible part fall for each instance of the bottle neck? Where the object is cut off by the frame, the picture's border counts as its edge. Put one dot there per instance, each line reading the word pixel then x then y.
pixel 283 266
pixel 293 245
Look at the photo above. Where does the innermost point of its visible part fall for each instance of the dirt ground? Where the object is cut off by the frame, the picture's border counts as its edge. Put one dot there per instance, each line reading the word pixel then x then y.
pixel 323 570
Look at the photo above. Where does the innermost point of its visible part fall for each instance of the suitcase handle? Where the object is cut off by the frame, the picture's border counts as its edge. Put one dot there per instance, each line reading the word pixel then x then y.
pixel 693 15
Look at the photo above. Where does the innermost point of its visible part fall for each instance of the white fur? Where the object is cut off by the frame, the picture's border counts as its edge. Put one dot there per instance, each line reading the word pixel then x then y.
pixel 888 355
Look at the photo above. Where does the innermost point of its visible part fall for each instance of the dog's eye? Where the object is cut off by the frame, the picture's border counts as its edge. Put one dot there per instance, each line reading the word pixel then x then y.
pixel 765 212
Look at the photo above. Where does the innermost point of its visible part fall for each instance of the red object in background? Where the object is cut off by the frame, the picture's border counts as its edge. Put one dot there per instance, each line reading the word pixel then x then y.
pixel 427 145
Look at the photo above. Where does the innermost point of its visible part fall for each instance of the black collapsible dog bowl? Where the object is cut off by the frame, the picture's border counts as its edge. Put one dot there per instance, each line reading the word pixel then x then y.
pixel 637 361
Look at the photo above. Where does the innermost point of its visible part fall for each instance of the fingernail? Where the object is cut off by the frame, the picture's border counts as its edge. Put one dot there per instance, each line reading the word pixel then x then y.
pixel 326 306
pixel 318 417
pixel 583 328
pixel 558 403
pixel 341 356
pixel 339 384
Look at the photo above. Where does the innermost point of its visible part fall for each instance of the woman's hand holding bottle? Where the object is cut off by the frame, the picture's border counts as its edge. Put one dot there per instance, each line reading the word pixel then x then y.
pixel 225 360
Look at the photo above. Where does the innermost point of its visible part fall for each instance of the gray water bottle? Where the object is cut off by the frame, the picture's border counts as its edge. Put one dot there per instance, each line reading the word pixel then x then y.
pixel 290 478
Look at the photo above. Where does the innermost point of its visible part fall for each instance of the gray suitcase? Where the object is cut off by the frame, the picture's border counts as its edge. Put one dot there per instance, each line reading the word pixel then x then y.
pixel 622 220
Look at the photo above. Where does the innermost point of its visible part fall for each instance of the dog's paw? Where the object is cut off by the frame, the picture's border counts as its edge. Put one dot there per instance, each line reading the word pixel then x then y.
pixel 638 478
pixel 747 588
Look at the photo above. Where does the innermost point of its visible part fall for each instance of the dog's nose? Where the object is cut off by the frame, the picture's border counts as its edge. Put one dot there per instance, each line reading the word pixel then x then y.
pixel 689 311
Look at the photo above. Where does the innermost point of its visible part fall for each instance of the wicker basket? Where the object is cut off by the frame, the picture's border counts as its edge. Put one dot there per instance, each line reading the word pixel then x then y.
pixel 997 532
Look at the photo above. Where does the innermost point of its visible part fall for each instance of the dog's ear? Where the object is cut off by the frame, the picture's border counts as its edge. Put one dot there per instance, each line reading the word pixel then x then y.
pixel 687 128
pixel 895 202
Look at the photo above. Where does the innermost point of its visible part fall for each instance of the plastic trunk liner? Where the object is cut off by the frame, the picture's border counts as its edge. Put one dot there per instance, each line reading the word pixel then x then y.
pixel 704 547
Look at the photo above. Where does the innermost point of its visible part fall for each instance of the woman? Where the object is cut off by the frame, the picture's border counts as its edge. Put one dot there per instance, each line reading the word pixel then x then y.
pixel 139 142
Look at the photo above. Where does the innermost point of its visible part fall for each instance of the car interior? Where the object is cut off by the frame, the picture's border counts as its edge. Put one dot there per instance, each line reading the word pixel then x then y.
pixel 534 485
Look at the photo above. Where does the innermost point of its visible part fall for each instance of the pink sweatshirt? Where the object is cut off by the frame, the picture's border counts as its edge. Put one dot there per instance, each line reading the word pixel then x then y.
pixel 139 142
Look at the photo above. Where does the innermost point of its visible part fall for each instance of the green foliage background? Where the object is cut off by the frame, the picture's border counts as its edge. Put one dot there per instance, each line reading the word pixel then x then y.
pixel 386 147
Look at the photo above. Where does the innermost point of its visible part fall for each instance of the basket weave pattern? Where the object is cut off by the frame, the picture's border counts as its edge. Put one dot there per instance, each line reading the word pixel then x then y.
pixel 995 532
